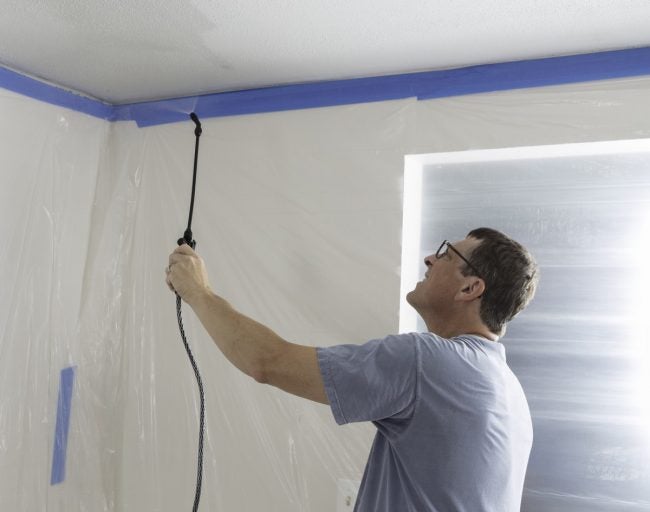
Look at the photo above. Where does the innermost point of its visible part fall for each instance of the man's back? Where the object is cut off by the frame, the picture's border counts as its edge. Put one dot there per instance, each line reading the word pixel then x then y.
pixel 453 425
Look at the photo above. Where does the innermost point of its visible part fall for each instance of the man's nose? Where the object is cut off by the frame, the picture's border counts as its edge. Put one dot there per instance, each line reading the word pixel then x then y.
pixel 428 261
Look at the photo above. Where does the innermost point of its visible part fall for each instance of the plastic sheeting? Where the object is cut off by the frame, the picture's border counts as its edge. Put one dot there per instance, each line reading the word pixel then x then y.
pixel 298 216
pixel 49 168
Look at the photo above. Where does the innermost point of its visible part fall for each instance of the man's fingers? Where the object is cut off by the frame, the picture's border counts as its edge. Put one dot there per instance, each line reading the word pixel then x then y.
pixel 184 249
pixel 180 253
pixel 189 274
pixel 175 258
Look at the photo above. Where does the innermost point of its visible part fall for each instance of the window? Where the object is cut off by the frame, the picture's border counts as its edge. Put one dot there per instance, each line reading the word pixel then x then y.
pixel 581 349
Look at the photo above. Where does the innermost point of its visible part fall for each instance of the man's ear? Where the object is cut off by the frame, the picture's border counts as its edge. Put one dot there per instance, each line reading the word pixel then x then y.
pixel 472 289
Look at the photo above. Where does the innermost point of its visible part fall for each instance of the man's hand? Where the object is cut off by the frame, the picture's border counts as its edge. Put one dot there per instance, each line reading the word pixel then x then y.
pixel 186 274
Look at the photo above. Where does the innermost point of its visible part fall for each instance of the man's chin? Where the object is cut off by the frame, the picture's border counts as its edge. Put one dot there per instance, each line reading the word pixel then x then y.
pixel 410 296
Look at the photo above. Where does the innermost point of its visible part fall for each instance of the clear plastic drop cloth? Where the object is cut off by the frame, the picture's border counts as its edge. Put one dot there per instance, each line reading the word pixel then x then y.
pixel 298 216
pixel 49 164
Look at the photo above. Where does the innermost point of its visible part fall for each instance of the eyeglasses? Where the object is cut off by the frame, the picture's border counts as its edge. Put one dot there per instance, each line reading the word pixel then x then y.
pixel 442 251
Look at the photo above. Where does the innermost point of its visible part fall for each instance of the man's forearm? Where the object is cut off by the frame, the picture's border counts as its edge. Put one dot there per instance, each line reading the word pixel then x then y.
pixel 253 348
pixel 247 344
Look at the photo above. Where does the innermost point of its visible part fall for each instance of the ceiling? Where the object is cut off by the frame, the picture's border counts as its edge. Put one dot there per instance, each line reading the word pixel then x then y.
pixel 125 51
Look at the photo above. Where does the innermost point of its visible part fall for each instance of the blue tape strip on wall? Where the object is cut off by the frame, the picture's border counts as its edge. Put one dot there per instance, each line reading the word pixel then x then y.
pixel 427 85
pixel 66 385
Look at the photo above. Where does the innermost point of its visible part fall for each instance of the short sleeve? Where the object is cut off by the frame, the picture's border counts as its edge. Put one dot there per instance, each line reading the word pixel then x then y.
pixel 370 382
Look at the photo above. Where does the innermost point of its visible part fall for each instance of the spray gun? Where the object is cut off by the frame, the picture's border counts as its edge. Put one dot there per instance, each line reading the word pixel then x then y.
pixel 187 236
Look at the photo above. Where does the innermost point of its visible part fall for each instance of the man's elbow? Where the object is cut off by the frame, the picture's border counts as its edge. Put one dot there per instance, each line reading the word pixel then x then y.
pixel 264 367
pixel 293 369
pixel 259 373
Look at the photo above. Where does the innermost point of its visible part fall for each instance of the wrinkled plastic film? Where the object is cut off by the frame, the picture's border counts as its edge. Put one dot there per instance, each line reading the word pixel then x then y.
pixel 50 164
pixel 298 216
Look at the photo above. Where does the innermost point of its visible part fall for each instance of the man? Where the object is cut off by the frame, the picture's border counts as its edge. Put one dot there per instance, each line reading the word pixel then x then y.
pixel 454 431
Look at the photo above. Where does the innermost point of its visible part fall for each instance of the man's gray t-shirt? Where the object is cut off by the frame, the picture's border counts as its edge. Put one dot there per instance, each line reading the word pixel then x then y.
pixel 454 431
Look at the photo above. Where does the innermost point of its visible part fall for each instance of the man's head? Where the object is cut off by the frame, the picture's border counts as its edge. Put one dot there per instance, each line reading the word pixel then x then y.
pixel 487 274
pixel 511 276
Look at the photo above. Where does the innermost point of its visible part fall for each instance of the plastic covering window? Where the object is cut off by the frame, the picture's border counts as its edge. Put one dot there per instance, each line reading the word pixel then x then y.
pixel 581 350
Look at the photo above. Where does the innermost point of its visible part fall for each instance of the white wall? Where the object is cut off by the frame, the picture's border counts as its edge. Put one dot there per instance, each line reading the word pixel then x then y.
pixel 298 216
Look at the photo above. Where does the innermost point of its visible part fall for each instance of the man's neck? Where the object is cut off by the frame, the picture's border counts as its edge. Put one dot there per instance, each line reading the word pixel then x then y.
pixel 451 329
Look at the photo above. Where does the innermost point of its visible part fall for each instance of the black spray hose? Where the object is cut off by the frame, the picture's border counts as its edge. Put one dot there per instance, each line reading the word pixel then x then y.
pixel 199 469
pixel 187 239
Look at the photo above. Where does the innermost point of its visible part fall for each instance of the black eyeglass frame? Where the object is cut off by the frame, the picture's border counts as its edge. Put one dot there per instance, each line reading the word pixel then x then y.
pixel 440 254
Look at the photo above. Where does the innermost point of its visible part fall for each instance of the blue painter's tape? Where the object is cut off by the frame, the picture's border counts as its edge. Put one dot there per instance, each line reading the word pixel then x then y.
pixel 538 73
pixel 33 88
pixel 423 86
pixel 62 425
pixel 272 99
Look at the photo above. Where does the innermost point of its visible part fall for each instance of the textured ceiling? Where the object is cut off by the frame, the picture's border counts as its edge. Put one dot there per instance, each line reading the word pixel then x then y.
pixel 135 50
